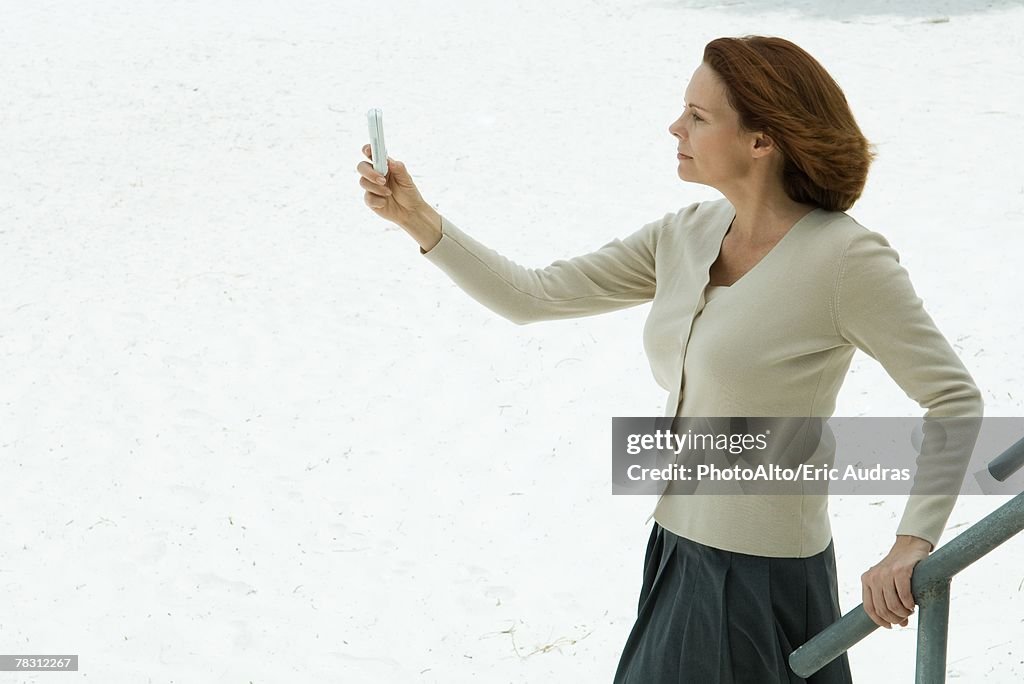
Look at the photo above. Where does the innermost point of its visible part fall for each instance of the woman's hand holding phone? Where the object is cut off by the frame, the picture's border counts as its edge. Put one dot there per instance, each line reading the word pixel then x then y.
pixel 397 199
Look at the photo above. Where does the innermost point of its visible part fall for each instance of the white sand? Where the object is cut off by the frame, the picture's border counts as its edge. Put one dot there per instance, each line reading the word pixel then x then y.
pixel 248 434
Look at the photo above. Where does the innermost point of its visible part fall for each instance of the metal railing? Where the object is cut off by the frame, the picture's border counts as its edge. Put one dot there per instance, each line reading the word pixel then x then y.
pixel 930 585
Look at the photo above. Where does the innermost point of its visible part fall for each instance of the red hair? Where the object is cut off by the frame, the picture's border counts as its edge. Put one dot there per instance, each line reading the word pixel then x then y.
pixel 778 88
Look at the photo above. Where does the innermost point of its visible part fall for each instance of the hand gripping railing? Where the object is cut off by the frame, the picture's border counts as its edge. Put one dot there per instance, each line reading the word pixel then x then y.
pixel 930 586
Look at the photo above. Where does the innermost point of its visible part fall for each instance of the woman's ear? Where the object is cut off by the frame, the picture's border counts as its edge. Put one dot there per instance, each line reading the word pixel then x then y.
pixel 763 145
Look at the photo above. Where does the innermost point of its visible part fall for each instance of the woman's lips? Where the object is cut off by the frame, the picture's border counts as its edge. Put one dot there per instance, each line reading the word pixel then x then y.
pixel 680 155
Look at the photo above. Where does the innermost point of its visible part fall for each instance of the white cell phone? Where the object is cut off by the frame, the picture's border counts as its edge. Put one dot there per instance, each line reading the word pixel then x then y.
pixel 378 154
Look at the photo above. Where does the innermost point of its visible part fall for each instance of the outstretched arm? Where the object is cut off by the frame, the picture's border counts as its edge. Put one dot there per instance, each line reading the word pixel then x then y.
pixel 618 275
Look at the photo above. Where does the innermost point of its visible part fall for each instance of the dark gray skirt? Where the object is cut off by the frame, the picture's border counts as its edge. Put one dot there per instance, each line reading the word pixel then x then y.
pixel 708 616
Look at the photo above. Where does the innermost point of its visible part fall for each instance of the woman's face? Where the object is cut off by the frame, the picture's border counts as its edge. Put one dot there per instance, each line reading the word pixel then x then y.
pixel 708 131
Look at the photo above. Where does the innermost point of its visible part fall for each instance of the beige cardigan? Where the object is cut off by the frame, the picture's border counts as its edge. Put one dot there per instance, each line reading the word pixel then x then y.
pixel 778 342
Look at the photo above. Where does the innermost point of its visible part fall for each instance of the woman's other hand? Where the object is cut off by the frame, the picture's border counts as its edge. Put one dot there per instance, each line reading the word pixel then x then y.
pixel 886 586
pixel 398 200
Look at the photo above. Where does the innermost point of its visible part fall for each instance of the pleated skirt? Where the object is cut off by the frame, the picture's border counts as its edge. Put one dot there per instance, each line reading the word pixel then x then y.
pixel 709 616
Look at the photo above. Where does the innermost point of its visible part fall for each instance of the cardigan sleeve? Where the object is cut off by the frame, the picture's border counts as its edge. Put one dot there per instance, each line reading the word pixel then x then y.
pixel 876 308
pixel 618 275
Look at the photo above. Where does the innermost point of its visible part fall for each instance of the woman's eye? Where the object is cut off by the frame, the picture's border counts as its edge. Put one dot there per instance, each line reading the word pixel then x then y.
pixel 695 117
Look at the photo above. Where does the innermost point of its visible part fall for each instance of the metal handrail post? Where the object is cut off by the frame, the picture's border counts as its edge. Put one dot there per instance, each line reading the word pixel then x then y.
pixel 933 634
pixel 1008 462
pixel 930 574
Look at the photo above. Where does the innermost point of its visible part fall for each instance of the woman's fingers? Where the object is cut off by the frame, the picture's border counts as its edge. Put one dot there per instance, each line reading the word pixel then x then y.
pixel 374 187
pixel 906 594
pixel 366 170
pixel 396 198
pixel 877 606
pixel 869 607
pixel 891 609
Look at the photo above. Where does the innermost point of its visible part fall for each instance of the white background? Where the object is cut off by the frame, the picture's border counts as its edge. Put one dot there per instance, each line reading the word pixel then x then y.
pixel 249 434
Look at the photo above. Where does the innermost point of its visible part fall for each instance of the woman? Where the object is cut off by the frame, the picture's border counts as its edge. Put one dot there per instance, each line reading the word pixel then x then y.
pixel 759 301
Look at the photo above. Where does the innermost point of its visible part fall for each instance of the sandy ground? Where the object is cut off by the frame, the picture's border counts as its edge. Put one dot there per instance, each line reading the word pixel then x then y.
pixel 248 434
